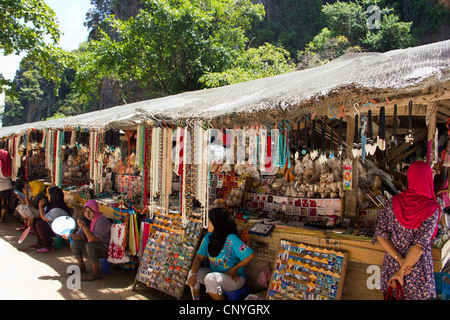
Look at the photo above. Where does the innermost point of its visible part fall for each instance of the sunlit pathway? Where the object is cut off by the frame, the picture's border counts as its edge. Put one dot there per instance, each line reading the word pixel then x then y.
pixel 23 277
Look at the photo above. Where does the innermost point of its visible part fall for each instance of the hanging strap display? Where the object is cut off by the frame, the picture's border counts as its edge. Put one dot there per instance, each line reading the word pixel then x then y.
pixel 322 147
pixel 371 147
pixel 314 153
pixel 394 132
pixel 332 144
pixel 299 138
pixel 381 141
pixel 356 150
pixel 410 137
pixel 323 156
pixel 305 139
pixel 340 141
pixel 269 151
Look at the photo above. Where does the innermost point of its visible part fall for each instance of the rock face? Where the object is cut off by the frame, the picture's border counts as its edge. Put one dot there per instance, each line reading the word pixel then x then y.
pixel 35 99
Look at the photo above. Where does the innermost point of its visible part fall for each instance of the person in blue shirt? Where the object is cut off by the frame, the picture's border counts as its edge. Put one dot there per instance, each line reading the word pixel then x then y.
pixel 227 256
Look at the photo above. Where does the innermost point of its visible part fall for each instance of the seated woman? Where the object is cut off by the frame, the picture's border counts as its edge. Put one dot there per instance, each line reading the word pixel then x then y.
pixel 227 256
pixel 55 208
pixel 91 241
pixel 29 208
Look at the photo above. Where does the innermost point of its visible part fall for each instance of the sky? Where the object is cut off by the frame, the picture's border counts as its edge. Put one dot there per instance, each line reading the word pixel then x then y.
pixel 70 15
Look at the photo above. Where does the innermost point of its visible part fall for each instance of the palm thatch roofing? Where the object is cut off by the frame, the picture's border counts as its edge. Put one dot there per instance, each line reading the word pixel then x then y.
pixel 394 76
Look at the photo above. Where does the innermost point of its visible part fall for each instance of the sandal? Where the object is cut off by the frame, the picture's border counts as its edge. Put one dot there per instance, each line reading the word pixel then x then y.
pixel 45 250
pixel 91 277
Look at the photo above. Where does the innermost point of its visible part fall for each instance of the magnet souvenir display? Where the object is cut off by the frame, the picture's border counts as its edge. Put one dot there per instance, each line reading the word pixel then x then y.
pixel 306 272
pixel 169 253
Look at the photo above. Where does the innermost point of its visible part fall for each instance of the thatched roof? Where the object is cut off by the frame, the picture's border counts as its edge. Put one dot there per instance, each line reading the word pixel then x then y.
pixel 398 72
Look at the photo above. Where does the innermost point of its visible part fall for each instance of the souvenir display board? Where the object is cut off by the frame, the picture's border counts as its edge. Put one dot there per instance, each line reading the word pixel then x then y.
pixel 305 272
pixel 367 218
pixel 169 253
pixel 125 183
pixel 300 209
pixel 221 184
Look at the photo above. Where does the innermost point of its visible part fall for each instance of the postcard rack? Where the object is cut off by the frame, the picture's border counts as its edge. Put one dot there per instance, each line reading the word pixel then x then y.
pixel 169 253
pixel 307 272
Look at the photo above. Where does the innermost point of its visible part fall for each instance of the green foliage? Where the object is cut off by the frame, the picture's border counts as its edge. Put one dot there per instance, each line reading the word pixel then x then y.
pixel 392 35
pixel 30 90
pixel 324 48
pixel 426 16
pixel 171 44
pixel 349 19
pixel 57 115
pixel 254 63
pixel 346 19
pixel 16 109
pixel 24 26
pixel 290 24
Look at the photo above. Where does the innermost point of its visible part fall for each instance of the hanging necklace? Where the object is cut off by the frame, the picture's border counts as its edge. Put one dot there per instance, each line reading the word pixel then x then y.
pixel 262 146
pixel 183 156
pixel 205 174
pixel 154 166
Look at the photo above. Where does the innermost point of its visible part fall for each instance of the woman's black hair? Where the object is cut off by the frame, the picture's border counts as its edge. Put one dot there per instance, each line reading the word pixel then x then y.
pixel 224 224
pixel 56 199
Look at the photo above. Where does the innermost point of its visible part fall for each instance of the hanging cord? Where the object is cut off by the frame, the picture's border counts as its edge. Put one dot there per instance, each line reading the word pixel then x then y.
pixel 381 141
pixel 394 135
pixel 130 195
pixel 356 136
pixel 286 147
pixel 410 105
pixel 313 135
pixel 382 128
pixel 410 138
pixel 332 144
pixel 305 137
pixel 323 137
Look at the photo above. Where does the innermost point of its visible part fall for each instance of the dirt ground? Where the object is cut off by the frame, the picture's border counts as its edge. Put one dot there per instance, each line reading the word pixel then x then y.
pixel 28 275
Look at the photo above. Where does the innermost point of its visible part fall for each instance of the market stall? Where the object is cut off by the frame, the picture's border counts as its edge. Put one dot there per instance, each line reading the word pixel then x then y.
pixel 302 159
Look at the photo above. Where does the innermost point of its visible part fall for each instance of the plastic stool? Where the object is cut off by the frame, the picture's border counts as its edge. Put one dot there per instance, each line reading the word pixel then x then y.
pixel 57 242
pixel 438 282
pixel 105 265
pixel 445 286
pixel 236 294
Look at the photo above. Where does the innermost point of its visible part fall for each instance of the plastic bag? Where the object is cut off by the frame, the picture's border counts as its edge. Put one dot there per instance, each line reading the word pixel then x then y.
pixel 264 276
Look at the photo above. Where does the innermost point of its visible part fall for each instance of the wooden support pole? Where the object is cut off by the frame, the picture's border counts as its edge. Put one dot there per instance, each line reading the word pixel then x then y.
pixel 430 120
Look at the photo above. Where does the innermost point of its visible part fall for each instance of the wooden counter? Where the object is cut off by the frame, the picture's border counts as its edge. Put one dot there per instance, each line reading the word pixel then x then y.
pixel 75 201
pixel 362 255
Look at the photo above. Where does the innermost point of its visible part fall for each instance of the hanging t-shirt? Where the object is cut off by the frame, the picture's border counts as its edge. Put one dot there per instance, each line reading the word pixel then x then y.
pixel 233 251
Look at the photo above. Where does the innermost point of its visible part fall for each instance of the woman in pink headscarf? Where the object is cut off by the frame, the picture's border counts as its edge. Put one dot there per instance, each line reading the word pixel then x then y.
pixel 91 241
pixel 405 230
